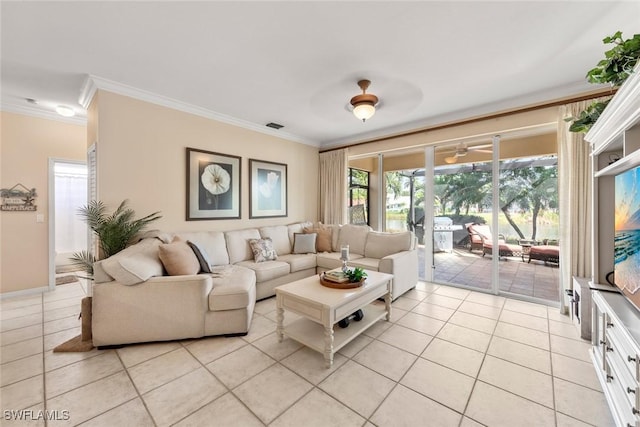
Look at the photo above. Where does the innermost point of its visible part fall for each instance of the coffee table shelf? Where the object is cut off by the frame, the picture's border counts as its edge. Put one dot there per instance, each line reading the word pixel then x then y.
pixel 312 335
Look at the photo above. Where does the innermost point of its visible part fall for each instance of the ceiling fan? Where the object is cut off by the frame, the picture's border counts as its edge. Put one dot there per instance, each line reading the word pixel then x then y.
pixel 462 150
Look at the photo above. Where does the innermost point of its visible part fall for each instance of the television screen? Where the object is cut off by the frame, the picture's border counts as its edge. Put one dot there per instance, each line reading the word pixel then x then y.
pixel 627 234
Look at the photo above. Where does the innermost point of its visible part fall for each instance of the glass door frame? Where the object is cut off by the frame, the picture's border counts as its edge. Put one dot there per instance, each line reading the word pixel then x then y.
pixel 429 215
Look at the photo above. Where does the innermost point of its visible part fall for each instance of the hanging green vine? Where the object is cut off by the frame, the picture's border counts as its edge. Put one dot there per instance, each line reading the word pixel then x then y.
pixel 614 69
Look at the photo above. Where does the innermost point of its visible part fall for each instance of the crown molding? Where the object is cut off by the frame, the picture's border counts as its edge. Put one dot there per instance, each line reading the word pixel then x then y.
pixel 87 92
pixel 94 83
pixel 41 114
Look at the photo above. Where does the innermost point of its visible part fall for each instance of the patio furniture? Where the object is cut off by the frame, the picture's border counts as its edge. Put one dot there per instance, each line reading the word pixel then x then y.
pixel 545 253
pixel 481 238
pixel 358 215
pixel 506 249
pixel 478 233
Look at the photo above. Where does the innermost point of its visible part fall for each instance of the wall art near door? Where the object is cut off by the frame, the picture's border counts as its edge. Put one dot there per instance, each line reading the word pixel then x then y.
pixel 213 185
pixel 267 189
pixel 18 198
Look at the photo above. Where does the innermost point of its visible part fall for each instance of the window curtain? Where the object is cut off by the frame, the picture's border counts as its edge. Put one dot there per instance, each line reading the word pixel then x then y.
pixel 333 187
pixel 575 191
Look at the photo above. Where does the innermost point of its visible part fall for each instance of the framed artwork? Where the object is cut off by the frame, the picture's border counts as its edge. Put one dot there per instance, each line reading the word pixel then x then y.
pixel 213 185
pixel 267 189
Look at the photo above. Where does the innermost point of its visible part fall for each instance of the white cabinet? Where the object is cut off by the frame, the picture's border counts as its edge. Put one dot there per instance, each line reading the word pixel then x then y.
pixel 616 135
pixel 615 321
pixel 616 355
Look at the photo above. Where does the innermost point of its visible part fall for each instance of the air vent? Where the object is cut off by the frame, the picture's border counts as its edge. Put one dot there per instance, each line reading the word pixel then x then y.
pixel 274 125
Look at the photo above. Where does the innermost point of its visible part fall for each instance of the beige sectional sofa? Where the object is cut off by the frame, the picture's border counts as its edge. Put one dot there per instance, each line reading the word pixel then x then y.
pixel 135 301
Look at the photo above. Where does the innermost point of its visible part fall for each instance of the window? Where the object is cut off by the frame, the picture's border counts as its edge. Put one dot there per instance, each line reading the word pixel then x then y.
pixel 358 196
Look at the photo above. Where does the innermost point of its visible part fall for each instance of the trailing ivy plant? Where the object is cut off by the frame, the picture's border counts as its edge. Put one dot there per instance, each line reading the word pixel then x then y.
pixel 614 69
pixel 115 231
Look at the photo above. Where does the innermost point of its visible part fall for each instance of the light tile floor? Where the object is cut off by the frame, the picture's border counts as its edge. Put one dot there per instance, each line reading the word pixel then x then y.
pixel 449 357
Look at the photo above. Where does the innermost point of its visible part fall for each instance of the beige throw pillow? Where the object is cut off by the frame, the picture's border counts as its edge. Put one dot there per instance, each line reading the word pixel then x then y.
pixel 178 258
pixel 323 238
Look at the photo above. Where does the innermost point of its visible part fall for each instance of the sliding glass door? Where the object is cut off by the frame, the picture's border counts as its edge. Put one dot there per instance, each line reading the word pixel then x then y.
pixel 529 226
pixel 462 189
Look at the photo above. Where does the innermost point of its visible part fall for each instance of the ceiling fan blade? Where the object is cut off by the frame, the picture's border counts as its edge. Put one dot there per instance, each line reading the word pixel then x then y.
pixel 478 147
pixel 484 151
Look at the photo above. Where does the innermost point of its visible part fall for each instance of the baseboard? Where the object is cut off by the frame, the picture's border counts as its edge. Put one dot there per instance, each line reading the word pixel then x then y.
pixel 24 292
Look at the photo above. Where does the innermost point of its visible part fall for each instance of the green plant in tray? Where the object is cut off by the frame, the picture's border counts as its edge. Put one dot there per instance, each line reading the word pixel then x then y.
pixel 356 275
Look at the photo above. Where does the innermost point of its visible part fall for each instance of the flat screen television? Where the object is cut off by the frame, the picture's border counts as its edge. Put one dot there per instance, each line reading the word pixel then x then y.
pixel 627 234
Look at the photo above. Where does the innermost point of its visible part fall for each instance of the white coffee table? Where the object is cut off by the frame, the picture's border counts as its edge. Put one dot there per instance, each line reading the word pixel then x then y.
pixel 321 308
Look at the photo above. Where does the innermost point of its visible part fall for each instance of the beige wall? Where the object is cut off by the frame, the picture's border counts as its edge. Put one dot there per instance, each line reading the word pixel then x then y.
pixel 142 157
pixel 26 144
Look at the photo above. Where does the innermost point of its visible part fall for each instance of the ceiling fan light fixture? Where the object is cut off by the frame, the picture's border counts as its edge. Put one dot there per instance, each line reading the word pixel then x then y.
pixel 364 105
pixel 364 111
pixel 451 160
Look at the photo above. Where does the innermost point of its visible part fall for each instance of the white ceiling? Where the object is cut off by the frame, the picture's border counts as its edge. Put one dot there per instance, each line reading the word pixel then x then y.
pixel 297 63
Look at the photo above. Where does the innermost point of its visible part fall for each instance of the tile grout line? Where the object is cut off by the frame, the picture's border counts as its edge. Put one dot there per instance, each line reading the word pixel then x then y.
pixel 484 356
pixel 228 390
pixel 135 387
pixel 44 382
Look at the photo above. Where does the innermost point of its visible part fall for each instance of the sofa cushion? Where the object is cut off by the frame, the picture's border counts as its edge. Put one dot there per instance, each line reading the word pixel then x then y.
pixel 299 262
pixel 263 250
pixel 304 243
pixel 355 236
pixel 178 258
pixel 379 245
pixel 238 244
pixel 279 235
pixel 323 239
pixel 213 242
pixel 267 270
pixel 330 260
pixel 232 291
pixel 201 254
pixel 134 264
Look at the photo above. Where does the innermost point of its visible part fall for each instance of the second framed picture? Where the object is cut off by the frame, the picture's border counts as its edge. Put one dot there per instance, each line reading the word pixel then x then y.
pixel 267 189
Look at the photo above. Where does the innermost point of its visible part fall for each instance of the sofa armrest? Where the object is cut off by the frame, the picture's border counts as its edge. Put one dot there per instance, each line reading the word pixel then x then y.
pixel 404 267
pixel 160 309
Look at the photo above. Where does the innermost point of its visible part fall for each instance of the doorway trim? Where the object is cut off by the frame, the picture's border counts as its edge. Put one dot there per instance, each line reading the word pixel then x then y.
pixel 52 214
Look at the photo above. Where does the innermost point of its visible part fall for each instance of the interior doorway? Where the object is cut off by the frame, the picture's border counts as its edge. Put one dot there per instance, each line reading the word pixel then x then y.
pixel 67 232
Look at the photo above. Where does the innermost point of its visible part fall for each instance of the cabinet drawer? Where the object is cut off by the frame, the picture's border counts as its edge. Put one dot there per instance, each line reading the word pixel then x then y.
pixel 628 354
pixel 624 387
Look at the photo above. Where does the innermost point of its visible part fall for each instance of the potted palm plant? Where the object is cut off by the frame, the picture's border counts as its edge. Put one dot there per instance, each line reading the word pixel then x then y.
pixel 114 231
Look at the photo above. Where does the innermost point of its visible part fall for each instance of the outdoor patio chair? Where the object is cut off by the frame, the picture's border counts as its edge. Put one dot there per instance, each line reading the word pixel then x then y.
pixel 549 252
pixel 477 235
pixel 358 215
pixel 481 238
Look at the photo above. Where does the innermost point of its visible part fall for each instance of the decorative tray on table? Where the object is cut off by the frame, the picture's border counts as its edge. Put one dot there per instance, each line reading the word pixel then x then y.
pixel 337 281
